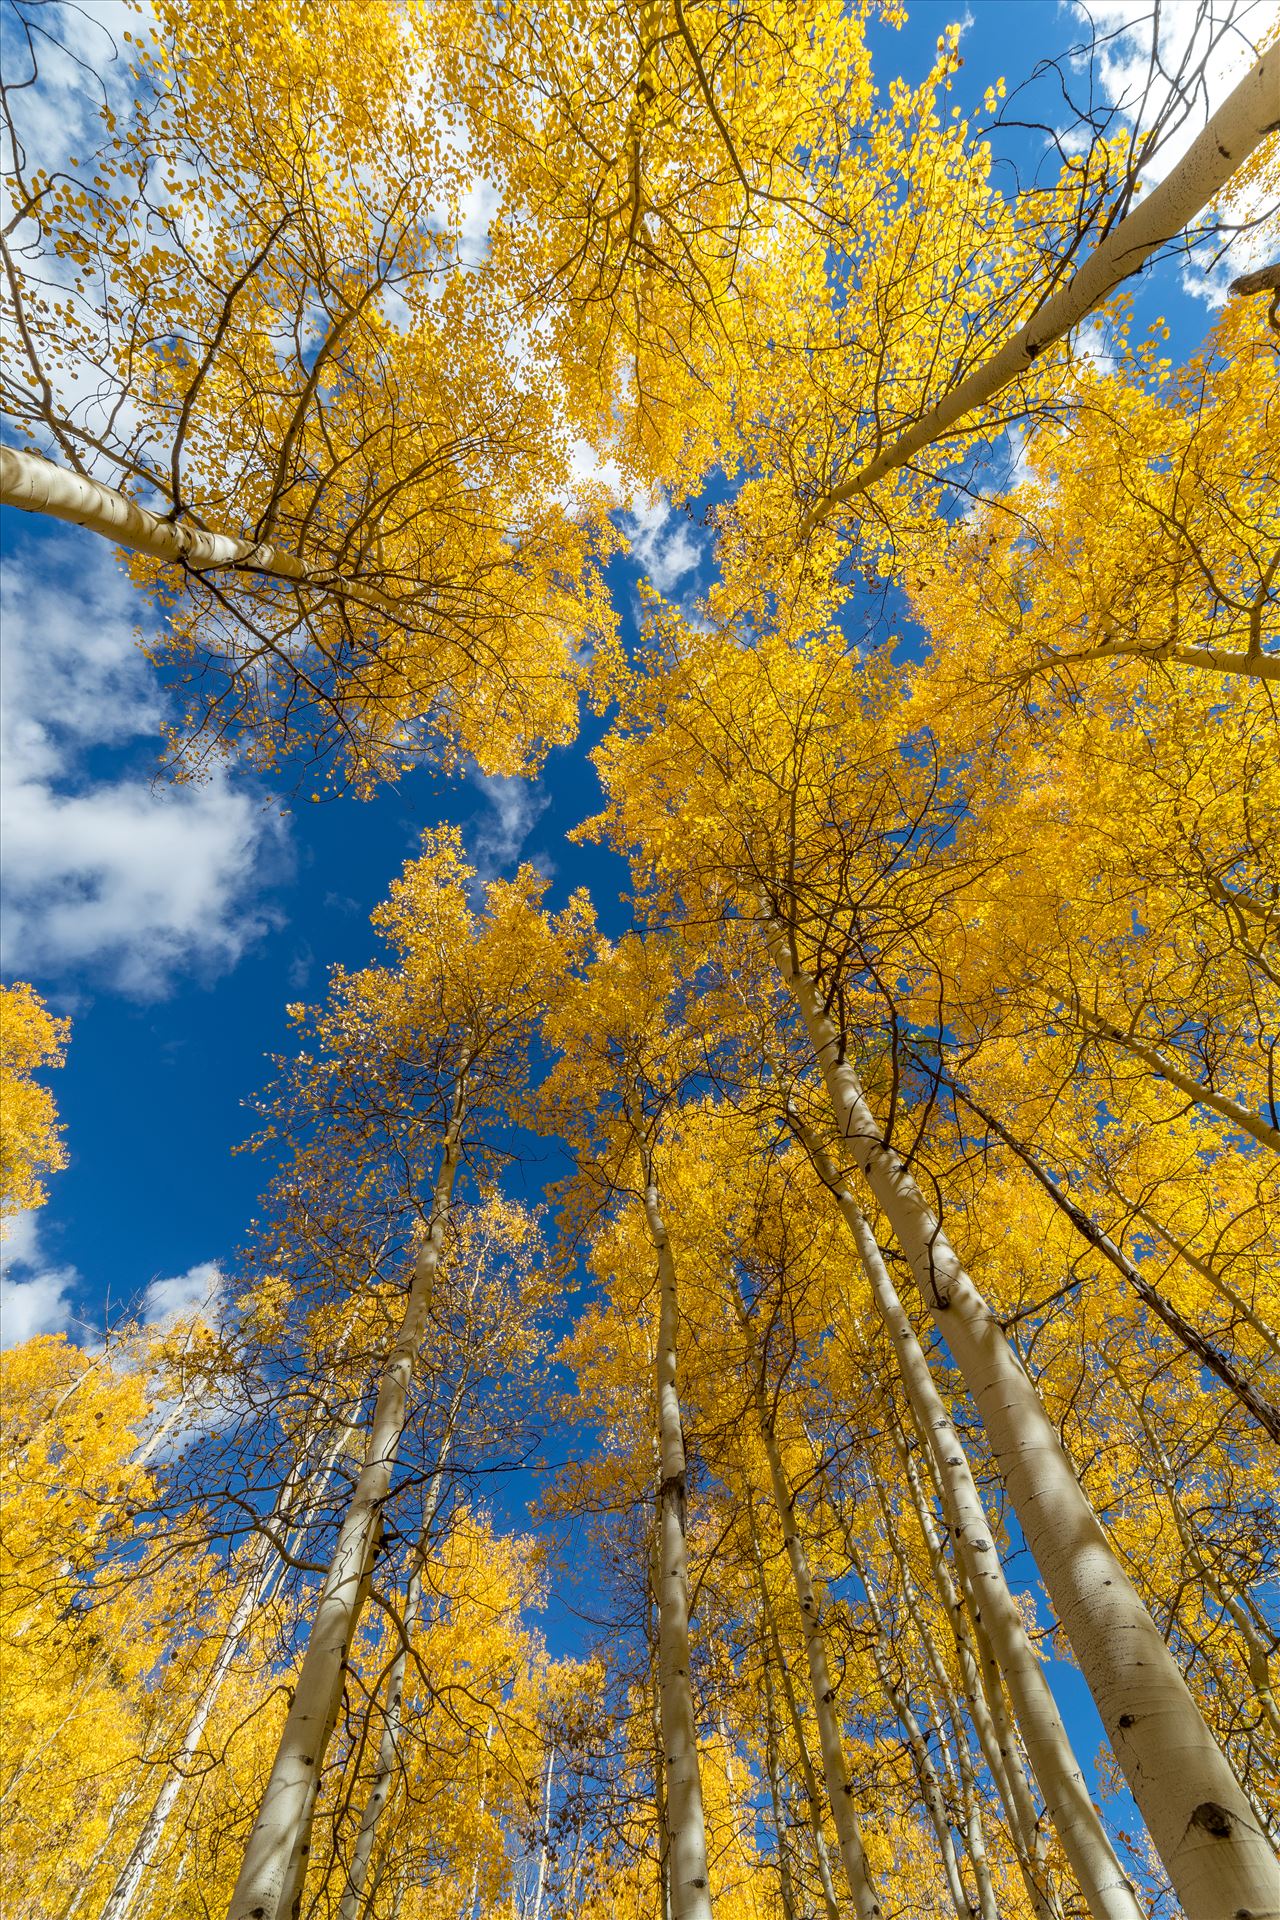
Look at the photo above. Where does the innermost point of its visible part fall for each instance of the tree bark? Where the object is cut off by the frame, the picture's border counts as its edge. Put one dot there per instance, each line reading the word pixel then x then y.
pixel 35 485
pixel 1199 1818
pixel 777 1796
pixel 813 1797
pixel 393 1712
pixel 857 1872
pixel 1102 1879
pixel 120 1901
pixel 686 1825
pixel 290 1790
pixel 1245 118
pixel 1254 1402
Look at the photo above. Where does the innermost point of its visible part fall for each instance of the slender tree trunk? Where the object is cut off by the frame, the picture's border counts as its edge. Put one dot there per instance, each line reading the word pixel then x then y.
pixel 1250 1397
pixel 1239 126
pixel 393 1712
pixel 120 1901
pixel 686 1826
pixel 36 485
pixel 471 1910
pixel 1222 1104
pixel 984 1694
pixel 544 1843
pixel 777 1797
pixel 1223 1288
pixel 931 1792
pixel 1199 1818
pixel 813 1796
pixel 655 1713
pixel 1073 1813
pixel 290 1791
pixel 862 1889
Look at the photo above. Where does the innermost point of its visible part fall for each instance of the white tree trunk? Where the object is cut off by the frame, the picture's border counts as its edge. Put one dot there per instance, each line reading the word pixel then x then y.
pixel 120 1901
pixel 393 1721
pixel 836 1773
pixel 899 1704
pixel 1222 1104
pixel 1102 1879
pixel 1199 1818
pixel 290 1791
pixel 36 485
pixel 807 1774
pixel 544 1839
pixel 777 1796
pixel 686 1825
pixel 984 1694
pixel 1241 124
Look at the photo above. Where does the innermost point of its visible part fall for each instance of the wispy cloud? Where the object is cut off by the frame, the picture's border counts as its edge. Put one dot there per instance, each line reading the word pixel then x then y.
pixel 498 831
pixel 38 1296
pixel 667 553
pixel 122 877
pixel 35 1297
pixel 1218 36
pixel 198 1290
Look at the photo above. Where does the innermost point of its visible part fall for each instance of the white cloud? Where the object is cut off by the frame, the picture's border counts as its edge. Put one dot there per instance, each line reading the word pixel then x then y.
pixel 1218 37
pixel 120 876
pixel 498 833
pixel 665 556
pixel 34 1298
pixel 198 1290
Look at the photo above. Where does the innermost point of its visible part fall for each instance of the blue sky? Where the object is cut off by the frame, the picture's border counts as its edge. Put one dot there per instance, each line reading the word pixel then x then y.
pixel 174 926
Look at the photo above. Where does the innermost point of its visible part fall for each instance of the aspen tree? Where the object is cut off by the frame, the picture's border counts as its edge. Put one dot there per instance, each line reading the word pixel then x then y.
pixel 617 1053
pixel 30 1137
pixel 813 1798
pixel 862 1888
pixel 762 786
pixel 246 334
pixel 466 991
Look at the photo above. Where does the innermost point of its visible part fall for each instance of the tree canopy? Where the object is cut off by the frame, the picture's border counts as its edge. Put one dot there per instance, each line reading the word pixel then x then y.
pixel 845 1272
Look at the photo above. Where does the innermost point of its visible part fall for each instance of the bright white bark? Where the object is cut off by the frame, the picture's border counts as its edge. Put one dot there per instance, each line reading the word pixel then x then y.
pixel 544 1839
pixel 1245 118
pixel 393 1722
pixel 853 1854
pixel 36 485
pixel 686 1825
pixel 1102 1879
pixel 777 1797
pixel 807 1774
pixel 1222 1104
pixel 926 1773
pixel 270 1857
pixel 256 1584
pixel 1199 1818
pixel 984 1694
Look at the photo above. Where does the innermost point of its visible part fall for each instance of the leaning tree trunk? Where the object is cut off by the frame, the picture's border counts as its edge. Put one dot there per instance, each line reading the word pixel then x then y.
pixel 1199 1818
pixel 813 1797
pixel 862 1889
pixel 272 1851
pixel 686 1825
pixel 393 1723
pixel 1240 125
pixel 983 1691
pixel 777 1795
pixel 1102 1879
pixel 36 485
pixel 927 1779
pixel 123 1895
